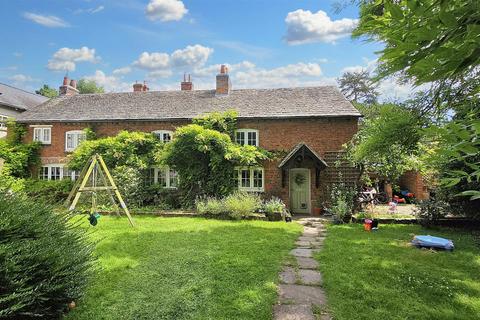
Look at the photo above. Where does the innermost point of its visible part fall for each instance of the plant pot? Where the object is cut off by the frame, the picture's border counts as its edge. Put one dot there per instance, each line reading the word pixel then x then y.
pixel 317 211
pixel 275 216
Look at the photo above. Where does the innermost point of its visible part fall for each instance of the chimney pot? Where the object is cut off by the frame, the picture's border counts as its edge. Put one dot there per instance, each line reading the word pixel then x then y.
pixel 73 83
pixel 68 88
pixel 65 80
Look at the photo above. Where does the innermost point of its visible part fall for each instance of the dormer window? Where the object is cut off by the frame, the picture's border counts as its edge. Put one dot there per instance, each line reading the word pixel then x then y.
pixel 247 137
pixel 163 135
pixel 73 139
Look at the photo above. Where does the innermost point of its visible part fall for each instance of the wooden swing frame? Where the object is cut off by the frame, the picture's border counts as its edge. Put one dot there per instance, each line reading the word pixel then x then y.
pixel 109 185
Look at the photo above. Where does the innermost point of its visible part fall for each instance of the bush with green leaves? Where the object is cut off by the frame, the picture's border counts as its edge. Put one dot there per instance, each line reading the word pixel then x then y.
pixel 237 205
pixel 431 210
pixel 274 205
pixel 48 191
pixel 46 259
pixel 342 199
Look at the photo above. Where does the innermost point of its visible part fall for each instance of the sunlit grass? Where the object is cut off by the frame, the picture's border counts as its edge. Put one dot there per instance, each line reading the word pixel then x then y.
pixel 378 275
pixel 186 268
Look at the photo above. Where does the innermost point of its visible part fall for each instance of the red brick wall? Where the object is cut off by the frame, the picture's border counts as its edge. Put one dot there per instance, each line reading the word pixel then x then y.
pixel 413 181
pixel 322 135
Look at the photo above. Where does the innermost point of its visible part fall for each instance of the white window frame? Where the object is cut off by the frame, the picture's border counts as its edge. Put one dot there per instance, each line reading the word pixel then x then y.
pixel 166 170
pixel 159 134
pixel 3 122
pixel 246 132
pixel 75 139
pixel 73 175
pixel 251 171
pixel 41 135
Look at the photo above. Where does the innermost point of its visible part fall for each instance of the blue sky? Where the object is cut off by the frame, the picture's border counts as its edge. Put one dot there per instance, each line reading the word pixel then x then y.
pixel 266 43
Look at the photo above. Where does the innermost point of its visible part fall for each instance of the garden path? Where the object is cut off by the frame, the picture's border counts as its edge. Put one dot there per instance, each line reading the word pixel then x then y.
pixel 301 296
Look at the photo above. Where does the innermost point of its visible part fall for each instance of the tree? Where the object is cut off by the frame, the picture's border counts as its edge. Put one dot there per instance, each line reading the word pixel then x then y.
pixel 89 86
pixel 46 91
pixel 435 42
pixel 358 86
pixel 387 141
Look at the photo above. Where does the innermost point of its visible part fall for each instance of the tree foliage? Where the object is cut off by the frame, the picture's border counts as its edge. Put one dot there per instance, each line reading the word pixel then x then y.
pixel 47 91
pixel 358 87
pixel 134 149
pixel 434 42
pixel 204 155
pixel 46 260
pixel 89 86
pixel 387 141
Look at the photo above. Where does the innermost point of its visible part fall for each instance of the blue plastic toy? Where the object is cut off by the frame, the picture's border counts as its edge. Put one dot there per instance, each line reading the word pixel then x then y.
pixel 432 242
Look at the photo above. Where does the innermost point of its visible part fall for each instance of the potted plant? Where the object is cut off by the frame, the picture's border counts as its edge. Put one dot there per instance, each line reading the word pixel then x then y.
pixel 273 209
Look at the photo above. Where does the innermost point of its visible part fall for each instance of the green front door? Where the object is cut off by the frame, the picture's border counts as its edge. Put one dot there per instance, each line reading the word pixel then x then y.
pixel 300 190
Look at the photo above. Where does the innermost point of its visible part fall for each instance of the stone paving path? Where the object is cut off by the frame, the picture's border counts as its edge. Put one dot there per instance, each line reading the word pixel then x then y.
pixel 301 296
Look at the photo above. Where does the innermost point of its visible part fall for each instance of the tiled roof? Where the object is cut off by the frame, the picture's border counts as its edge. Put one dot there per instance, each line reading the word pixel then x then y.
pixel 18 98
pixel 324 101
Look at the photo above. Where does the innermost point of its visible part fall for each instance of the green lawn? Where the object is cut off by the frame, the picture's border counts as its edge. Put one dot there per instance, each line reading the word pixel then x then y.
pixel 186 268
pixel 378 275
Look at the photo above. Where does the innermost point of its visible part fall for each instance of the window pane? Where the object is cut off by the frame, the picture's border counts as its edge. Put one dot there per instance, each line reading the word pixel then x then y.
pixel 55 173
pixel 252 138
pixel 37 134
pixel 162 177
pixel 240 137
pixel 46 135
pixel 173 178
pixel 69 141
pixel 81 137
pixel 149 176
pixel 166 137
pixel 257 178
pixel 67 174
pixel 43 173
pixel 245 178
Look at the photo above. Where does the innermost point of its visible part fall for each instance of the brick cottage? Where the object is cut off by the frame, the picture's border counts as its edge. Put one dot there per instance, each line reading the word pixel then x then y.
pixel 307 126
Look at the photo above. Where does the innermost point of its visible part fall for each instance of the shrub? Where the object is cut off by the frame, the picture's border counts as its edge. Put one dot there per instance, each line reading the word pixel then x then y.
pixel 242 204
pixel 48 191
pixel 210 206
pixel 161 197
pixel 429 211
pixel 130 184
pixel 235 206
pixel 46 260
pixel 342 200
pixel 274 205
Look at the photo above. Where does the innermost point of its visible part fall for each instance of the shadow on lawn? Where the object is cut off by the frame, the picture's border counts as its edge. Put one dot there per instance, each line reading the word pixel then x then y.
pixel 381 277
pixel 179 270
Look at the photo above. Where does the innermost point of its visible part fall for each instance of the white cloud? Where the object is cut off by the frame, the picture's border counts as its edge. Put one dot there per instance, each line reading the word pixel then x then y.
pixel 196 55
pixel 191 57
pixel 159 74
pixel 152 61
pixel 122 71
pixel 47 21
pixel 65 58
pixel 21 78
pixel 165 10
pixel 292 75
pixel 109 83
pixel 90 10
pixel 303 26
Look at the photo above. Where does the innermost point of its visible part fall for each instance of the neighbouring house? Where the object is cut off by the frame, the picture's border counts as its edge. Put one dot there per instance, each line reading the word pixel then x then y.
pixel 14 101
pixel 306 126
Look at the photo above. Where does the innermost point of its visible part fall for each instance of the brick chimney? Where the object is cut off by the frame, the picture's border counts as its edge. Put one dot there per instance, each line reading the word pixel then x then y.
pixel 137 87
pixel 68 88
pixel 145 88
pixel 223 81
pixel 186 85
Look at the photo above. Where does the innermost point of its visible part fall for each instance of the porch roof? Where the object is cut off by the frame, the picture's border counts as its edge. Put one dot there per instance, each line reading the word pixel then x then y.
pixel 304 151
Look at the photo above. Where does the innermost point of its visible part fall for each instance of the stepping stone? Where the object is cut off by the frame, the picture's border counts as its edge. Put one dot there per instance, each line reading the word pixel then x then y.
pixel 316 244
pixel 307 263
pixel 292 312
pixel 305 244
pixel 288 276
pixel 298 294
pixel 301 252
pixel 310 233
pixel 307 238
pixel 310 277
